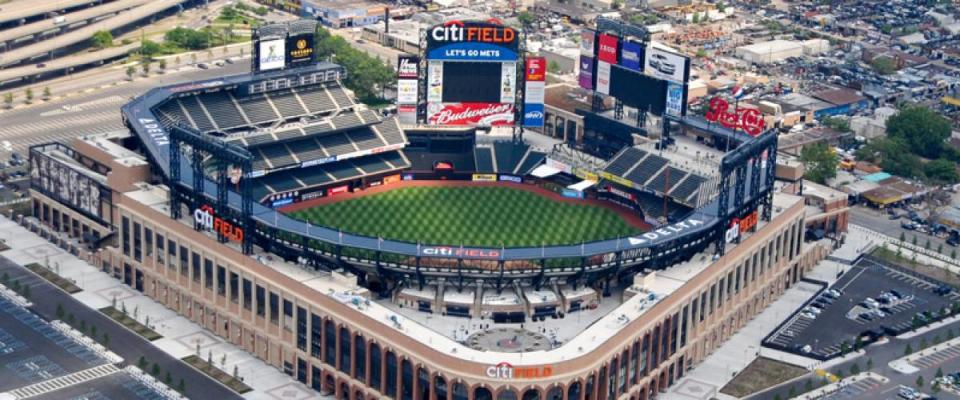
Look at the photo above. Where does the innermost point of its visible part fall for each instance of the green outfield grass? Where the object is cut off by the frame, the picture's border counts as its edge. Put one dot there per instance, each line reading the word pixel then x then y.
pixel 475 216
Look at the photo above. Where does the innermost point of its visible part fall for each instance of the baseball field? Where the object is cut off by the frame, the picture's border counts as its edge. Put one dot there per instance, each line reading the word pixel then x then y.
pixel 474 215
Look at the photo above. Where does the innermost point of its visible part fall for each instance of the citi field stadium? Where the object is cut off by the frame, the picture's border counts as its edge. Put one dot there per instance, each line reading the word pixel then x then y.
pixel 374 255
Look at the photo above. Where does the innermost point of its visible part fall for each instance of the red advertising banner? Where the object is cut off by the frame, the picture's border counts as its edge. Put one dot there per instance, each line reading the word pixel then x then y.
pixel 536 69
pixel 474 114
pixel 608 48
pixel 338 189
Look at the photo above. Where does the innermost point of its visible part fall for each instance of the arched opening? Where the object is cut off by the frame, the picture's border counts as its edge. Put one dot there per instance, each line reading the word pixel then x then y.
pixel 423 384
pixel 482 393
pixel 440 387
pixel 460 391
pixel 507 394
pixel 375 365
pixel 358 395
pixel 330 335
pixel 391 374
pixel 360 357
pixel 331 385
pixel 555 394
pixel 531 394
pixel 344 391
pixel 573 392
pixel 345 353
pixel 588 388
pixel 406 376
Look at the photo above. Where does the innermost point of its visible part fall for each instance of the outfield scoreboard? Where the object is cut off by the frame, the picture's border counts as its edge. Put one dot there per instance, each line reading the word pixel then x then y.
pixel 471 73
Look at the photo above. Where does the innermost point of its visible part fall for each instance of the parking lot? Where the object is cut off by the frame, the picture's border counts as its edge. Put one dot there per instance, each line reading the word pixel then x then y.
pixel 870 297
pixel 31 350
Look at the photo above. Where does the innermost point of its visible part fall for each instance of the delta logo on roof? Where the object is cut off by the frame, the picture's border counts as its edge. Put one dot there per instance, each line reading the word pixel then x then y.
pixel 665 232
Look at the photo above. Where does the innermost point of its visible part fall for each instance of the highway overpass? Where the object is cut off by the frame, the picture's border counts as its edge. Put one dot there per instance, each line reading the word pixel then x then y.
pixel 43 29
pixel 17 12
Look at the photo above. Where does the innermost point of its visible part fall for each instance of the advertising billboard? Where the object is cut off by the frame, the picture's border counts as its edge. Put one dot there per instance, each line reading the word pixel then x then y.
pixel 586 72
pixel 407 114
pixel 607 51
pixel 663 64
pixel 300 50
pixel 407 91
pixel 435 81
pixel 534 93
pixel 472 41
pixel 603 77
pixel 675 101
pixel 408 67
pixel 470 114
pixel 638 90
pixel 508 82
pixel 271 54
pixel 631 56
pixel 587 42
pixel 68 186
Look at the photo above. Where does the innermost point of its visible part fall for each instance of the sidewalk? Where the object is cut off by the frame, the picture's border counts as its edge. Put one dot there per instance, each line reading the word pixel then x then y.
pixel 180 336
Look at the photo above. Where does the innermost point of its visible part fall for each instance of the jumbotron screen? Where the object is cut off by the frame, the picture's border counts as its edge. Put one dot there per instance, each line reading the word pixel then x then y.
pixel 472 82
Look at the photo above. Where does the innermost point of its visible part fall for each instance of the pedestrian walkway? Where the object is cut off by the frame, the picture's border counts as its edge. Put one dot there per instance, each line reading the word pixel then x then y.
pixel 58 383
pixel 180 335
pixel 708 377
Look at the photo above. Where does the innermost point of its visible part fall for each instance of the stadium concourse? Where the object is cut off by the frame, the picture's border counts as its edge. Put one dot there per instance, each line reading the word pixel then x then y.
pixel 190 211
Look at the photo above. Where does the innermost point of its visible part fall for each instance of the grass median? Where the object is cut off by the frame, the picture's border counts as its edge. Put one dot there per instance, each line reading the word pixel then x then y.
pixel 61 282
pixel 226 379
pixel 131 323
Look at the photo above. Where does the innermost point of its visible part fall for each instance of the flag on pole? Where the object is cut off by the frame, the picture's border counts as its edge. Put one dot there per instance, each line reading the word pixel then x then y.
pixel 738 92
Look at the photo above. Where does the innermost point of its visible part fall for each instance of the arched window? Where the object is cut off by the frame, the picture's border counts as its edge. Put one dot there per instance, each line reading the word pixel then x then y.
pixel 345 354
pixel 482 393
pixel 358 395
pixel 440 387
pixel 391 374
pixel 531 394
pixel 375 366
pixel 573 392
pixel 556 393
pixel 406 374
pixel 344 391
pixel 360 357
pixel 423 384
pixel 507 394
pixel 460 391
pixel 588 388
pixel 330 333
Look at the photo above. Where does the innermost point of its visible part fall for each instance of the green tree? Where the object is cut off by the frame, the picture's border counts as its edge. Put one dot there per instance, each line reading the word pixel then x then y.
pixel 46 92
pixel 162 64
pixel 903 237
pixel 927 245
pixel 883 65
pixel 145 67
pixel 149 48
pixel 941 171
pixel 93 330
pixel 908 350
pixel 820 162
pixel 26 291
pixel 60 311
pixel 616 4
pixel 939 373
pixel 919 382
pixel 28 95
pixel 914 240
pixel 142 363
pixel 70 318
pixel 940 248
pixel 155 370
pixel 836 123
pixel 953 254
pixel 869 364
pixel 553 67
pixel 167 379
pixel 102 39
pixel 130 72
pixel 844 347
pixel 777 397
pixel 106 339
pixel 696 18
pixel 83 326
pixel 721 7
pixel 229 13
pixel 182 386
pixel 854 369
pixel 923 129
pixel 8 99
pixel 526 18
pixel 701 53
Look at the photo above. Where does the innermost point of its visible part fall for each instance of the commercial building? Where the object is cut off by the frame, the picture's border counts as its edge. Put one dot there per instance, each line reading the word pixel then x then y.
pixel 770 52
pixel 342 13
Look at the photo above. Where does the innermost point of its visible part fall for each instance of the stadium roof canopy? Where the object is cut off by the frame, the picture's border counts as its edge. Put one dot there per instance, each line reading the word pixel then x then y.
pixel 544 171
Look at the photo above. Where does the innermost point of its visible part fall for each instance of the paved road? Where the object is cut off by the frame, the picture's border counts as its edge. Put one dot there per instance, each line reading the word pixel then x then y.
pixel 881 222
pixel 123 342
pixel 93 113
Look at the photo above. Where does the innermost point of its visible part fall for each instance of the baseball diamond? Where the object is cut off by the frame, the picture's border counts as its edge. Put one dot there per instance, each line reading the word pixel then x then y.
pixel 474 214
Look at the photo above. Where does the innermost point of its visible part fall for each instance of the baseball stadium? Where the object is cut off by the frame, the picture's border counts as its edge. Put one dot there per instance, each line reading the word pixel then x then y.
pixel 423 254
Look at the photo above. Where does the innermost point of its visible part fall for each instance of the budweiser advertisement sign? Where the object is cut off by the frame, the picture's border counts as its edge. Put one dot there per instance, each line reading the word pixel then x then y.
pixel 471 114
pixel 748 119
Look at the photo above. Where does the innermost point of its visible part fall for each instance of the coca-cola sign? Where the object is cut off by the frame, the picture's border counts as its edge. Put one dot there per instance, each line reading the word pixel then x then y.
pixel 473 114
